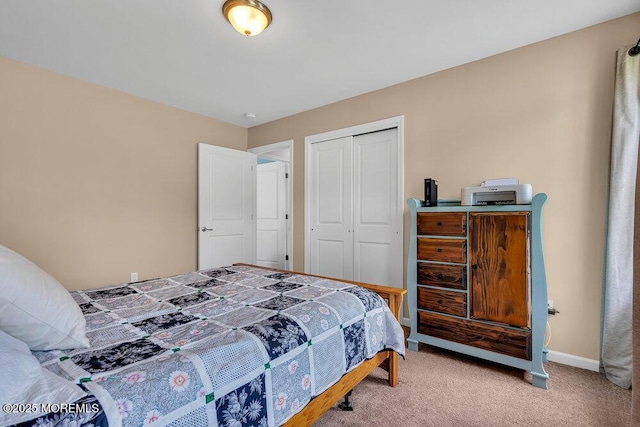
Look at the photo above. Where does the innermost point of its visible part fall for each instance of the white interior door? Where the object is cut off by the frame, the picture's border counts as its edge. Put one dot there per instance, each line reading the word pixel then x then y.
pixel 226 206
pixel 330 208
pixel 377 225
pixel 271 237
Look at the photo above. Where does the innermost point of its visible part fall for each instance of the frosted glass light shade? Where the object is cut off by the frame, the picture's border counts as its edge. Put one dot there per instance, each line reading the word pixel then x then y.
pixel 248 17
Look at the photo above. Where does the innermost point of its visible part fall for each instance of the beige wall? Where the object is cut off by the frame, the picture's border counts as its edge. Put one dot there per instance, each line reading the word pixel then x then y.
pixel 541 113
pixel 96 184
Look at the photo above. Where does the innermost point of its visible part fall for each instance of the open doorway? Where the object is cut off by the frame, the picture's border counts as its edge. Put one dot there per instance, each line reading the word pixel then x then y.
pixel 274 202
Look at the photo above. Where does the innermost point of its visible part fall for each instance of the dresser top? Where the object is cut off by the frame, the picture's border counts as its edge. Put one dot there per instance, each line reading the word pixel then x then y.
pixel 454 205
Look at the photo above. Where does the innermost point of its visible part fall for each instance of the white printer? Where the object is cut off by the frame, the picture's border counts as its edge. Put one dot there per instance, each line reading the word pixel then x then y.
pixel 506 191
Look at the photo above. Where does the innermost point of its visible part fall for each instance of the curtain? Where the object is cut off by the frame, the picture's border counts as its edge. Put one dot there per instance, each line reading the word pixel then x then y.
pixel 615 357
pixel 635 394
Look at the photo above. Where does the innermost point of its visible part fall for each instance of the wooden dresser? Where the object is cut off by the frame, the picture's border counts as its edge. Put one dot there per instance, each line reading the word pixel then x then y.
pixel 476 282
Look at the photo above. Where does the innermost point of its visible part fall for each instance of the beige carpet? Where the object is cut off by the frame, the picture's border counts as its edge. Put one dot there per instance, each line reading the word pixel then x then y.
pixel 440 388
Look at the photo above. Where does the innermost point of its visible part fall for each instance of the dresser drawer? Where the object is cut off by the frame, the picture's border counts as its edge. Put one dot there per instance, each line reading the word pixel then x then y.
pixel 442 301
pixel 442 223
pixel 512 342
pixel 443 275
pixel 446 250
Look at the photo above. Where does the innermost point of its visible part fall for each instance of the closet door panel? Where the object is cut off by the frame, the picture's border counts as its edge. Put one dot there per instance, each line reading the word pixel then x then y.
pixel 376 226
pixel 331 211
pixel 330 258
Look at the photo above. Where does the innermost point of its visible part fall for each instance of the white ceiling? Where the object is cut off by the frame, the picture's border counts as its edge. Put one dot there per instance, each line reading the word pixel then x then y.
pixel 184 53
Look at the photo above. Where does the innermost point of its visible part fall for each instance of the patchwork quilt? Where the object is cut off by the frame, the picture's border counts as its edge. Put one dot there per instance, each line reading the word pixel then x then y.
pixel 233 346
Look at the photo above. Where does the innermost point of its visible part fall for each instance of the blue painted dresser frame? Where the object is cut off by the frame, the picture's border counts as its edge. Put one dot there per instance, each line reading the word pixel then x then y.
pixel 538 289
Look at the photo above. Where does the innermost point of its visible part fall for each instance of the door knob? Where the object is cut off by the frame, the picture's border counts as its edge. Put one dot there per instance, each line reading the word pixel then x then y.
pixel 206 229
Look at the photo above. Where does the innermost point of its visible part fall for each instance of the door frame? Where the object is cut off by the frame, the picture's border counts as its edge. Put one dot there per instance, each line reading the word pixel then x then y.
pixel 270 151
pixel 392 122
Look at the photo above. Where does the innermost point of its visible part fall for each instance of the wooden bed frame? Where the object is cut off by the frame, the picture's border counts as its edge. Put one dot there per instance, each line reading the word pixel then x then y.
pixel 387 359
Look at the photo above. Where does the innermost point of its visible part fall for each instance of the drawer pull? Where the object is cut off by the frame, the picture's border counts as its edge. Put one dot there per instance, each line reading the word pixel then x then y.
pixel 439 249
pixel 440 276
pixel 439 224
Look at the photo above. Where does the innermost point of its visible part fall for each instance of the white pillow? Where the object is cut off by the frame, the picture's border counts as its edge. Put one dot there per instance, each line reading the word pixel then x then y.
pixel 28 383
pixel 36 308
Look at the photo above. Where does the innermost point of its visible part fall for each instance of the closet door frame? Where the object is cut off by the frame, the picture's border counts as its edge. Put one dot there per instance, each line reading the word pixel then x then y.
pixel 392 122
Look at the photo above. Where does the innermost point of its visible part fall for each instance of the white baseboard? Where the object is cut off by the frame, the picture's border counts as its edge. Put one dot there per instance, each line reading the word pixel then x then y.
pixel 552 355
pixel 572 360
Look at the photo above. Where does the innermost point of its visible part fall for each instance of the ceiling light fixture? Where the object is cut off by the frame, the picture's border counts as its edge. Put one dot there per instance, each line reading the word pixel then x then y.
pixel 248 17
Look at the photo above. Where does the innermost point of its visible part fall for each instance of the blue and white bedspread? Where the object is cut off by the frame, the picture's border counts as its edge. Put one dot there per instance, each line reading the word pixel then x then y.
pixel 233 346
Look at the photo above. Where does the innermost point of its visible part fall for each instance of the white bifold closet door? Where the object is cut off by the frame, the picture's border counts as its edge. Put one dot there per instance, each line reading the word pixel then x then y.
pixel 355 228
pixel 331 211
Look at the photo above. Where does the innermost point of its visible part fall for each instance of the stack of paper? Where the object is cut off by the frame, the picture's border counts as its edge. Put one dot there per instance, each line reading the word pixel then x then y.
pixel 499 181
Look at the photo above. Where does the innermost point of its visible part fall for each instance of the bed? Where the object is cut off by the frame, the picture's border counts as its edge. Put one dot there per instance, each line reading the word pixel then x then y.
pixel 234 346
